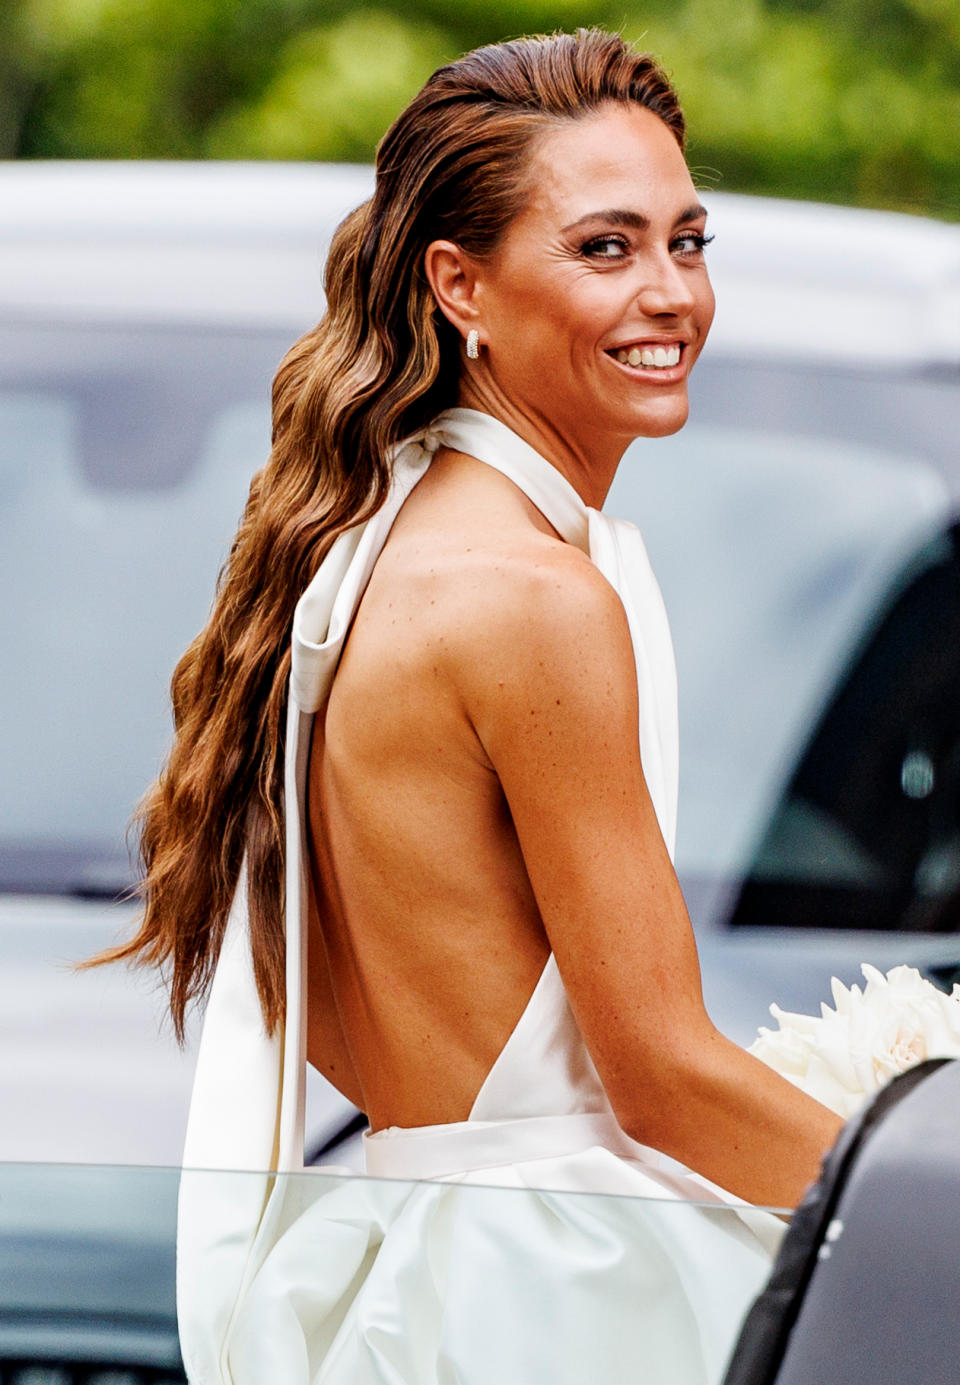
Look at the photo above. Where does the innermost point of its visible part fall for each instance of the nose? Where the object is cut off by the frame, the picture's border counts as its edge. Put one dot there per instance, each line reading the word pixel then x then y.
pixel 666 290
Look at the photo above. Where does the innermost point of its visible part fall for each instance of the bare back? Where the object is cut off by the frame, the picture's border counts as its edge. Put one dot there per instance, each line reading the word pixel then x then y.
pixel 431 940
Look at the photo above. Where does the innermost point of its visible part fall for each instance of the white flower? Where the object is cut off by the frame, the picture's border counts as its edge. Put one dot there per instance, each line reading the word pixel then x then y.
pixel 870 1035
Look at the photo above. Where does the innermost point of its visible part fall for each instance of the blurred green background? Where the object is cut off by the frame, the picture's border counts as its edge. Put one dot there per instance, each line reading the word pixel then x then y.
pixel 854 101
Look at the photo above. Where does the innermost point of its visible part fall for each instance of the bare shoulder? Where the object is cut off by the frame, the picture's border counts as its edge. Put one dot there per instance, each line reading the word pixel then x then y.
pixel 479 591
pixel 543 585
pixel 541 647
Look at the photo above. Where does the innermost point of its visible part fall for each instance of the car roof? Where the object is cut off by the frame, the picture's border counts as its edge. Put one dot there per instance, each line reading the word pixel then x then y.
pixel 244 243
pixel 821 280
pixel 213 243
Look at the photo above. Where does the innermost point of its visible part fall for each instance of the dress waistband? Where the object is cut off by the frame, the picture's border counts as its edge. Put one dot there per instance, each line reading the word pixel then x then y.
pixel 439 1151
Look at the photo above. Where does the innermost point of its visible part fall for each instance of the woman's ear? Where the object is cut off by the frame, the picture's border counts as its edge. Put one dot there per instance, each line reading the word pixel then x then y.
pixel 452 276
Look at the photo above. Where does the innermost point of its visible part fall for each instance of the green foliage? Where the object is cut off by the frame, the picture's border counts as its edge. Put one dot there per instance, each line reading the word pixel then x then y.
pixel 846 100
pixel 813 102
pixel 336 89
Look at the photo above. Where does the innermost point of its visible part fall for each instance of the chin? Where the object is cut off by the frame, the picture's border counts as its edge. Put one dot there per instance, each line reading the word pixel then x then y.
pixel 660 423
pixel 664 429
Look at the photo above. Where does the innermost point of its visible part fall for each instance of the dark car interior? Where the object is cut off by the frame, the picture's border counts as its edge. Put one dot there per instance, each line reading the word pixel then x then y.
pixel 867 833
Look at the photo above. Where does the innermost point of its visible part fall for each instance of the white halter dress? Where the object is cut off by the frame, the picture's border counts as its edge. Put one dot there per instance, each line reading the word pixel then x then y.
pixel 496 1270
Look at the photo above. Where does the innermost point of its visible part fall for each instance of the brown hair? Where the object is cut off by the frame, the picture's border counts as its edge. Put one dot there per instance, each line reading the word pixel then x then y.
pixel 382 362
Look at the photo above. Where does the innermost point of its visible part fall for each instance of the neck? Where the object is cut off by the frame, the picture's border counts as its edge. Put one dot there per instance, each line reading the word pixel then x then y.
pixel 589 470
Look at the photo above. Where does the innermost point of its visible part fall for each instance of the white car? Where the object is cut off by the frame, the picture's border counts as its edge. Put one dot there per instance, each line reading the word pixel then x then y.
pixel 143 309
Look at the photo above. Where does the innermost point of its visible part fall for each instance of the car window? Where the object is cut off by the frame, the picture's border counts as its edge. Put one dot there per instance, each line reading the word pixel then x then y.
pixel 773 542
pixel 125 459
pixel 868 829
pixel 89 1293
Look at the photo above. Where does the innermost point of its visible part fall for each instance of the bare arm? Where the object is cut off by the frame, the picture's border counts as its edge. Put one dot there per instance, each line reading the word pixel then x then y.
pixel 550 687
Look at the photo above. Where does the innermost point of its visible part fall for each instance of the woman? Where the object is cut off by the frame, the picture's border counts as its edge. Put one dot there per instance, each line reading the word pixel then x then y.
pixel 500 971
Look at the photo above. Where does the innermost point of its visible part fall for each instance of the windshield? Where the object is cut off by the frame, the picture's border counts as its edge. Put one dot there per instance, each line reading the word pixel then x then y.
pixel 775 522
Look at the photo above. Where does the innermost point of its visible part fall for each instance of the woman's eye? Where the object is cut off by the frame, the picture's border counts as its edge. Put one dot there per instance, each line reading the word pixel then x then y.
pixel 605 248
pixel 690 244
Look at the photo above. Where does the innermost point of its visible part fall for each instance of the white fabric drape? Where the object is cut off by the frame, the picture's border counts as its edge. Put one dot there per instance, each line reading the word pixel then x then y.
pixel 307 1281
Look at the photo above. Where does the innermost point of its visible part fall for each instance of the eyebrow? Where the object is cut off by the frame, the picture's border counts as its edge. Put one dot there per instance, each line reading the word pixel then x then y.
pixel 619 216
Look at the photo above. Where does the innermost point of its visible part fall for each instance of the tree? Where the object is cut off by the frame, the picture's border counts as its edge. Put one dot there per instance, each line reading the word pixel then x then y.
pixel 844 100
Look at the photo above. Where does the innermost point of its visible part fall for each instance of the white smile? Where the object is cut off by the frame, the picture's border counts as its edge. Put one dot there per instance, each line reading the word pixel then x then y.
pixel 659 357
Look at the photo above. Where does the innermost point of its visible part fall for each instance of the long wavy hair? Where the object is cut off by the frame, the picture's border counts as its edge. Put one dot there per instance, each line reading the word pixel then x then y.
pixel 382 362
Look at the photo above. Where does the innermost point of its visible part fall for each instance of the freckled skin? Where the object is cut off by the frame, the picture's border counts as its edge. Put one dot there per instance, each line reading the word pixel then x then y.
pixel 476 779
pixel 436 949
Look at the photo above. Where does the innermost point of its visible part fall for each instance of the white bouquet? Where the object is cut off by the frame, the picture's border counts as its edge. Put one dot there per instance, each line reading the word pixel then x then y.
pixel 849 1052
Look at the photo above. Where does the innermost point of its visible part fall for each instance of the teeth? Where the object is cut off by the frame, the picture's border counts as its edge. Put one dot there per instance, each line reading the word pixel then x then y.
pixel 658 357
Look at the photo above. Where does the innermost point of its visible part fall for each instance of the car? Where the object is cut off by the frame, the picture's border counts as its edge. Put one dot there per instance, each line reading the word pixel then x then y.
pixel 143 310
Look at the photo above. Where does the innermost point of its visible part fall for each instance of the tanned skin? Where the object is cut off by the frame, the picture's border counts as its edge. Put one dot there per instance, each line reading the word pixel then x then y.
pixel 476 797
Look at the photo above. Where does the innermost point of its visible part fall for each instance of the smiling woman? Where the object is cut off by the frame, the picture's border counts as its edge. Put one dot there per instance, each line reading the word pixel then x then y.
pixel 602 269
pixel 483 942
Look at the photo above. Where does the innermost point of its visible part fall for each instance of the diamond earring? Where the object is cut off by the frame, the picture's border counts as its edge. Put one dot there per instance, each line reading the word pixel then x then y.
pixel 473 344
